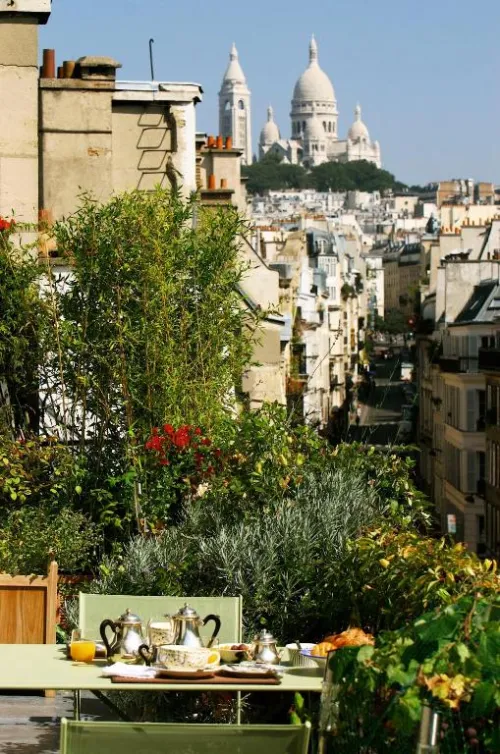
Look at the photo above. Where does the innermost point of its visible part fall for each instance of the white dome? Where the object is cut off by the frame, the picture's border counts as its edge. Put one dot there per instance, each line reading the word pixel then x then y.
pixel 314 85
pixel 234 72
pixel 270 133
pixel 358 130
pixel 314 130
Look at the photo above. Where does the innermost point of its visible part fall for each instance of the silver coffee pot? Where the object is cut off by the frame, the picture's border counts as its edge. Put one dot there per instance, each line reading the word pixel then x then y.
pixel 266 649
pixel 187 623
pixel 127 635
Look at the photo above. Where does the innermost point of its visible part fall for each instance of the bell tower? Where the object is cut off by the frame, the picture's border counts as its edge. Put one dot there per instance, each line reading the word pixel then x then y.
pixel 235 118
pixel 19 21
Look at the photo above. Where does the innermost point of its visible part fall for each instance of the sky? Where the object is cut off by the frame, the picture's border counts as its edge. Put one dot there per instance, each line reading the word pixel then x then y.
pixel 426 72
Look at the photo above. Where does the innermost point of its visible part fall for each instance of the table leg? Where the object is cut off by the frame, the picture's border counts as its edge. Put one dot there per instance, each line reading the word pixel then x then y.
pixel 77 705
pixel 238 708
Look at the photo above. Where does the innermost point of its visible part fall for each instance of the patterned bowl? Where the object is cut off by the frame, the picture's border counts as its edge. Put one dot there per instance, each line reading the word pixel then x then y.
pixel 175 657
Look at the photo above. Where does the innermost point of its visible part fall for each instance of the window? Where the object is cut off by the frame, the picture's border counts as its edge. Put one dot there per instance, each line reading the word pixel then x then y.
pixel 227 106
pixel 329 128
pixel 303 126
pixel 324 125
pixel 241 105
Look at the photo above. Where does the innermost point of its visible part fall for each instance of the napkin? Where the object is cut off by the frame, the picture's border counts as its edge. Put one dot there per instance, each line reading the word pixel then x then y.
pixel 131 671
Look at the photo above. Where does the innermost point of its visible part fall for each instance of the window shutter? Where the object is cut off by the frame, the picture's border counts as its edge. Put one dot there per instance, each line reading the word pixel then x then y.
pixel 471 419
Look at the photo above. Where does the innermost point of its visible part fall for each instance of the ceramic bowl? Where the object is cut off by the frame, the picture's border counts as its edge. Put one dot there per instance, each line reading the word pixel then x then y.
pixel 299 660
pixel 173 657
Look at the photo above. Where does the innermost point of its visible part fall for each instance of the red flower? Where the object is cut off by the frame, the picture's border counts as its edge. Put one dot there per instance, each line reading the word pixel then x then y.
pixel 206 441
pixel 198 431
pixel 181 438
pixel 155 430
pixel 168 429
pixel 164 462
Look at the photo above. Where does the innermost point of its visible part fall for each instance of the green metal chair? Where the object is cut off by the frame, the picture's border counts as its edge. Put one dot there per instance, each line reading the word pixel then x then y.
pixel 94 608
pixel 167 738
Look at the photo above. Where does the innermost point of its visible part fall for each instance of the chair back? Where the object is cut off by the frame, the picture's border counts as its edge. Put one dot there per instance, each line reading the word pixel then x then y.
pixel 159 738
pixel 28 608
pixel 94 608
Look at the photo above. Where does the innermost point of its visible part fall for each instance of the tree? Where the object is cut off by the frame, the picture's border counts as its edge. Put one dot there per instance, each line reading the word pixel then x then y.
pixel 358 175
pixel 394 322
pixel 147 328
pixel 271 174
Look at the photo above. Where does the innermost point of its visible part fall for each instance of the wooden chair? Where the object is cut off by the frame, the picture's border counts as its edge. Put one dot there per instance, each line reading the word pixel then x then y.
pixel 168 738
pixel 28 606
pixel 94 608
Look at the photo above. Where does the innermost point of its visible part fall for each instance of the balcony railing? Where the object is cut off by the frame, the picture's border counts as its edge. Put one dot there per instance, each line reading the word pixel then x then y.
pixel 458 364
pixel 489 359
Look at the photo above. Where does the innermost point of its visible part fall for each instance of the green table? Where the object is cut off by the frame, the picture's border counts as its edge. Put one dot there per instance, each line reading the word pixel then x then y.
pixel 27 667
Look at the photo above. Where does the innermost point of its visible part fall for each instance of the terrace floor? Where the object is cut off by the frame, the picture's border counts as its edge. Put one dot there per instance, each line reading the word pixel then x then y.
pixel 30 724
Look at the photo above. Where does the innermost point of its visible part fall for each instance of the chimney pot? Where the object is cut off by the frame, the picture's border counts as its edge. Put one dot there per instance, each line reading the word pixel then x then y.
pixel 49 64
pixel 69 68
pixel 220 142
pixel 229 142
pixel 211 181
pixel 211 141
pixel 223 183
pixel 60 72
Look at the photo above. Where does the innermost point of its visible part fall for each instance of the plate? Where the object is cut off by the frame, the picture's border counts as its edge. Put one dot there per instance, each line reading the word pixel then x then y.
pixel 252 671
pixel 182 673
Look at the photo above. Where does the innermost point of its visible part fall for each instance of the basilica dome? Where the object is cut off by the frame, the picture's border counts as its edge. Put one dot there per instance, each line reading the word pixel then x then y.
pixel 270 133
pixel 314 85
pixel 358 131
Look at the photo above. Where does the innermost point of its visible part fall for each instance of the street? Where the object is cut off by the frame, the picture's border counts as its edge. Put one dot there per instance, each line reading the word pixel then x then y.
pixel 381 412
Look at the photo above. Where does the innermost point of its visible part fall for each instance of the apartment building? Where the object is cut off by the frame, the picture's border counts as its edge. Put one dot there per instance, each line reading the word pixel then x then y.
pixel 462 319
pixel 489 365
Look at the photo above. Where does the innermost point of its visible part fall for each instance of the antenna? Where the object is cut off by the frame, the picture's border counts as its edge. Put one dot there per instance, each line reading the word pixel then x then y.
pixel 151 43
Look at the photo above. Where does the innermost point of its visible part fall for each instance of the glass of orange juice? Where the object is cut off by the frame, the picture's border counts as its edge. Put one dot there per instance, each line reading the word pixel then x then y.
pixel 82 650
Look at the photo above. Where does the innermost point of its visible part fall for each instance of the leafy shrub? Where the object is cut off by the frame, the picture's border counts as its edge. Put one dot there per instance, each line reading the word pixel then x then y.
pixel 30 537
pixel 393 575
pixel 448 659
pixel 36 472
pixel 286 564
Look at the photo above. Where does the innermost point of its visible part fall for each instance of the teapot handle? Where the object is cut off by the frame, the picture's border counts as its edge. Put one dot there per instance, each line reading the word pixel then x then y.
pixel 216 620
pixel 146 654
pixel 102 630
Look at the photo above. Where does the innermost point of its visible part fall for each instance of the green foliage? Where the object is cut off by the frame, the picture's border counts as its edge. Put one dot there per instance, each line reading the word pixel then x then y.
pixel 359 175
pixel 270 174
pixel 395 575
pixel 394 322
pixel 30 537
pixel 448 659
pixel 37 472
pixel 391 475
pixel 265 460
pixel 286 564
pixel 148 328
pixel 21 310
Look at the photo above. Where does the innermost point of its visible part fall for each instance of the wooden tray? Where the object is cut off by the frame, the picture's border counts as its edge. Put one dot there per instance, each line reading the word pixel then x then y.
pixel 215 680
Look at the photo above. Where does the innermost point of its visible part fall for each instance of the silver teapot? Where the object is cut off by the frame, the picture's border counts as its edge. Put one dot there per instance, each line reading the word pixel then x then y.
pixel 187 623
pixel 128 636
pixel 265 649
